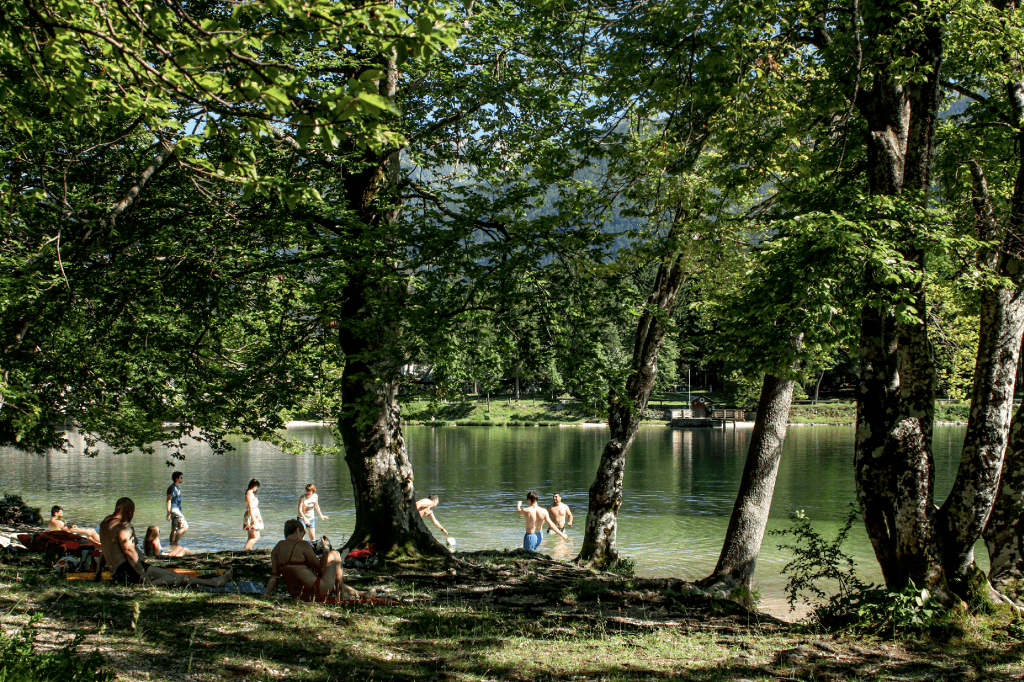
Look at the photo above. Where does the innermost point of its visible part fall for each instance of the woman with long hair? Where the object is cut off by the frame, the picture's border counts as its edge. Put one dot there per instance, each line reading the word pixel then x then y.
pixel 151 545
pixel 252 522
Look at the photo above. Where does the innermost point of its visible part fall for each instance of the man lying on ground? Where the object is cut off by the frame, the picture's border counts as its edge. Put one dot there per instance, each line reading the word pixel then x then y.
pixel 118 542
pixel 57 523
pixel 306 576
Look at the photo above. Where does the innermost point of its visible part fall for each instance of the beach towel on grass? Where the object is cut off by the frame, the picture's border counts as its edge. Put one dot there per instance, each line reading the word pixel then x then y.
pixel 191 572
pixel 237 587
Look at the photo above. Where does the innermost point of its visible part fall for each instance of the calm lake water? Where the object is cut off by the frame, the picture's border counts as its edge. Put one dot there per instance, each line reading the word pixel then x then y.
pixel 679 488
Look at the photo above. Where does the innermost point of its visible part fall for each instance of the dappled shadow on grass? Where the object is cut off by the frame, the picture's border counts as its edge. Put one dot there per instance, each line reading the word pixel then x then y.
pixel 522 619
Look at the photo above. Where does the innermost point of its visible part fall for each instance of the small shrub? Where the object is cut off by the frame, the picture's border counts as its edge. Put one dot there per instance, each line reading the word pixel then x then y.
pixel 746 597
pixel 857 606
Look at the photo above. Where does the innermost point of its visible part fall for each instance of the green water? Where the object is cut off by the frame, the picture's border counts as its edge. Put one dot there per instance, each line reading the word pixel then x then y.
pixel 679 488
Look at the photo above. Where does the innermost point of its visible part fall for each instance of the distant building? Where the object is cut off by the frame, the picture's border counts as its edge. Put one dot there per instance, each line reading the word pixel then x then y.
pixel 702 407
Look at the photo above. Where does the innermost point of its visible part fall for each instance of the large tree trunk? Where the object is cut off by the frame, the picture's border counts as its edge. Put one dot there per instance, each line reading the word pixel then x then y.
pixel 599 548
pixel 750 513
pixel 1006 523
pixel 963 517
pixel 370 424
pixel 895 402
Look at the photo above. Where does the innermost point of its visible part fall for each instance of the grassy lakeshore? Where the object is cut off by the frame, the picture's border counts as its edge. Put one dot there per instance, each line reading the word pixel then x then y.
pixel 486 616
pixel 506 411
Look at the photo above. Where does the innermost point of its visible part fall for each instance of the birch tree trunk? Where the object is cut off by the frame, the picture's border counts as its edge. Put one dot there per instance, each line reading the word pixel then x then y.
pixel 750 513
pixel 624 411
pixel 966 511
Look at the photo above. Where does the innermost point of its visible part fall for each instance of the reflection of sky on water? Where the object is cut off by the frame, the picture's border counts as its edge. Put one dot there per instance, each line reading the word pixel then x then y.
pixel 680 486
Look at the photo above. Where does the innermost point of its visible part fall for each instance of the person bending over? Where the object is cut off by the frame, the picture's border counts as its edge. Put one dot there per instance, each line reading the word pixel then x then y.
pixel 119 552
pixel 57 523
pixel 151 545
pixel 306 576
pixel 426 508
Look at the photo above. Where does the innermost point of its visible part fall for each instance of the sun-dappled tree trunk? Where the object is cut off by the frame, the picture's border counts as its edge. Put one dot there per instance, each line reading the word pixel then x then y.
pixel 624 414
pixel 966 511
pixel 743 539
pixel 370 423
pixel 1006 521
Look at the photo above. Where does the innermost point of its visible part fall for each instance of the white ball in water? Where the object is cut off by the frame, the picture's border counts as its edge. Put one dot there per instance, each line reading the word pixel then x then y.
pixel 450 541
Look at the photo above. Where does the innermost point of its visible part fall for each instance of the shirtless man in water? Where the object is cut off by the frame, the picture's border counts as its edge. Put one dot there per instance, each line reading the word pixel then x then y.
pixel 426 508
pixel 118 541
pixel 559 512
pixel 306 576
pixel 57 523
pixel 535 517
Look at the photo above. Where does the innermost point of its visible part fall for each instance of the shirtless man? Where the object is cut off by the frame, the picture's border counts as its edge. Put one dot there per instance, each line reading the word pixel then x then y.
pixel 559 512
pixel 57 523
pixel 426 508
pixel 535 517
pixel 307 577
pixel 119 552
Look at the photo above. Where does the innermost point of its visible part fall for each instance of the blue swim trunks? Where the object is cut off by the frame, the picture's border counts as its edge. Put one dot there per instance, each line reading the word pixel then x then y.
pixel 531 541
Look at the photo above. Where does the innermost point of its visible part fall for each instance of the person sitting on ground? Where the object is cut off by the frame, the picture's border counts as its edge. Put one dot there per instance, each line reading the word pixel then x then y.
pixel 118 541
pixel 306 576
pixel 57 523
pixel 426 508
pixel 151 545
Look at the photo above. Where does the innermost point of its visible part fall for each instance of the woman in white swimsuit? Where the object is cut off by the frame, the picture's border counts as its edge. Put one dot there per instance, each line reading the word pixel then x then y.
pixel 252 522
pixel 307 504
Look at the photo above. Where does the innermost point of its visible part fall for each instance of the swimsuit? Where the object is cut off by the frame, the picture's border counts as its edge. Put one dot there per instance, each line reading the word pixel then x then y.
pixel 127 574
pixel 304 594
pixel 531 541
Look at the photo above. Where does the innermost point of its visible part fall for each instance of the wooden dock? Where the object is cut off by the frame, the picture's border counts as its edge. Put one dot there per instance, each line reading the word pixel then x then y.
pixel 717 418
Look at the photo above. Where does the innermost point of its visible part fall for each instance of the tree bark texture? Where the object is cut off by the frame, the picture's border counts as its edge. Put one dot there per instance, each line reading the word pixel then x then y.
pixel 1006 522
pixel 750 513
pixel 1003 534
pixel 895 401
pixel 624 411
pixel 370 425
pixel 966 511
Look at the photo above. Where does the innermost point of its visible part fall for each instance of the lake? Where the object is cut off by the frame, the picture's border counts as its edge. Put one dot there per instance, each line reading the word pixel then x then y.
pixel 680 485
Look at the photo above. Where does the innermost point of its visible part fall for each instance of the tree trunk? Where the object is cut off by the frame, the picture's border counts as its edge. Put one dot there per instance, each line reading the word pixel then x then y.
pixel 1003 534
pixel 599 542
pixel 750 513
pixel 895 401
pixel 370 423
pixel 1006 523
pixel 965 513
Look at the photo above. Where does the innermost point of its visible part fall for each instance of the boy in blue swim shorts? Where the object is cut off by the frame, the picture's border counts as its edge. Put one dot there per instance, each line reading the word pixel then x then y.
pixel 535 517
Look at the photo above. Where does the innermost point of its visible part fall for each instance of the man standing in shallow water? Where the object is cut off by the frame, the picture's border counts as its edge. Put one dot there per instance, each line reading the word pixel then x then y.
pixel 174 514
pixel 559 512
pixel 535 517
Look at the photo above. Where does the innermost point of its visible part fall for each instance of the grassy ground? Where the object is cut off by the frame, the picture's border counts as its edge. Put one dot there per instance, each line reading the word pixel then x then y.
pixel 487 617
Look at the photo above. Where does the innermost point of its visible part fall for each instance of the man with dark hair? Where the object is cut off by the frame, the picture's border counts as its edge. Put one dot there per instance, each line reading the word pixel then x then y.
pixel 57 523
pixel 426 508
pixel 307 577
pixel 535 517
pixel 117 538
pixel 559 512
pixel 174 514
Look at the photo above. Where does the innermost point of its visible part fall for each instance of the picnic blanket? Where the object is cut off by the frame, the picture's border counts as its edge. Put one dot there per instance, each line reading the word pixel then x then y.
pixel 237 587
